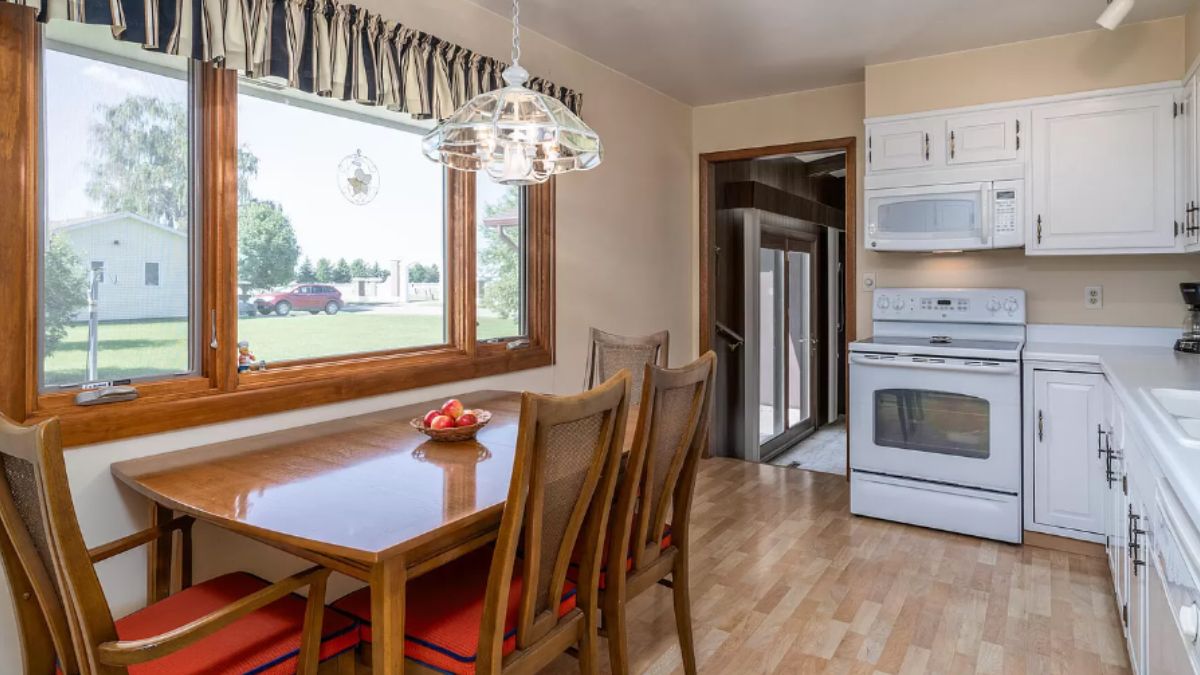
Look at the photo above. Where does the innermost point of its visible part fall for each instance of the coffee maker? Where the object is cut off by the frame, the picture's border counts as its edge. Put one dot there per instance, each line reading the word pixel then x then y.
pixel 1190 342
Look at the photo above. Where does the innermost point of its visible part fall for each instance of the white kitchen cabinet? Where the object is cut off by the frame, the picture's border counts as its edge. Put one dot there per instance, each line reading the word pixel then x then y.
pixel 987 136
pixel 907 144
pixel 1116 501
pixel 1187 205
pixel 1139 556
pixel 1069 487
pixel 1102 175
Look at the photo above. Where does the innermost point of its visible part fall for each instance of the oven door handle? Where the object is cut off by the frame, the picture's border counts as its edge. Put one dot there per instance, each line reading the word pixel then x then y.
pixel 981 367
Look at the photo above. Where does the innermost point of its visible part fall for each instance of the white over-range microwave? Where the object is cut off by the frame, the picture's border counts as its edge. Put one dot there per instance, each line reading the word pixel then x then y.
pixel 946 216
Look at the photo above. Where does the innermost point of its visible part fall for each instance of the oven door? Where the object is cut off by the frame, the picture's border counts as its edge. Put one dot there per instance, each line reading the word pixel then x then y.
pixel 955 421
pixel 929 218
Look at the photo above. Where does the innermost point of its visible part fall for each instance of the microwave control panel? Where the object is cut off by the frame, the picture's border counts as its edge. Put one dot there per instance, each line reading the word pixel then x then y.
pixel 1004 212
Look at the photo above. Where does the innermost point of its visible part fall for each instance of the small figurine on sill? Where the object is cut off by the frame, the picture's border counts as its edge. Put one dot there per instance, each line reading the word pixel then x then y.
pixel 246 359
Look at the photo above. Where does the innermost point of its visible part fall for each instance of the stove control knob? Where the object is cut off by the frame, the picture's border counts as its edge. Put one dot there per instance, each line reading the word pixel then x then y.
pixel 993 305
pixel 883 302
pixel 899 304
pixel 1010 305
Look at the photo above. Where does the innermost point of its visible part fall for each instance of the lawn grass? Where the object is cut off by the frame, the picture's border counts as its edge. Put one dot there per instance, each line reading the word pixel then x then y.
pixel 133 349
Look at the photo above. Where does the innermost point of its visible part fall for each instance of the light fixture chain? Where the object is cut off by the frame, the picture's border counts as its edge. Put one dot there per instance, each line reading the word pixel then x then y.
pixel 516 41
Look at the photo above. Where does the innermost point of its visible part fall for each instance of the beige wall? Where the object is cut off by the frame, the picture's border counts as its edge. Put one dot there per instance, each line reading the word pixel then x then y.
pixel 1191 34
pixel 621 265
pixel 1135 54
pixel 1138 290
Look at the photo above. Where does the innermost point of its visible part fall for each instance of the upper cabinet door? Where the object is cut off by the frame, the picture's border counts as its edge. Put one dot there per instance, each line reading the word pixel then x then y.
pixel 1103 175
pixel 1188 199
pixel 912 144
pixel 989 136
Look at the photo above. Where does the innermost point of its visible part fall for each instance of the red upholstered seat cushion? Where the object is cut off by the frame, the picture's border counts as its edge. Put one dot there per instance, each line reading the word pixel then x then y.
pixel 573 569
pixel 265 642
pixel 443 612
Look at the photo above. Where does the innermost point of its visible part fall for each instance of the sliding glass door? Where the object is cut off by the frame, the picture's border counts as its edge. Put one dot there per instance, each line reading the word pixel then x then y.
pixel 787 341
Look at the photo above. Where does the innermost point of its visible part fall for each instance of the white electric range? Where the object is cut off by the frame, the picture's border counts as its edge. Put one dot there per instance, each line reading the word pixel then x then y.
pixel 935 411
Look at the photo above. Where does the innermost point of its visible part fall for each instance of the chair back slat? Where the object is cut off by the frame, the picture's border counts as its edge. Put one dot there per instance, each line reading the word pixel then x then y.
pixel 27 551
pixel 564 476
pixel 609 353
pixel 659 474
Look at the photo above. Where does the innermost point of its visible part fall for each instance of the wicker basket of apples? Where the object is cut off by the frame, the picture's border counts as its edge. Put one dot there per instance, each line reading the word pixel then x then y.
pixel 451 423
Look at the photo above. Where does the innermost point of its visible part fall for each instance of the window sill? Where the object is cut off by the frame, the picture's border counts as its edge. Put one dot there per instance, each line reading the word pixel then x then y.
pixel 258 395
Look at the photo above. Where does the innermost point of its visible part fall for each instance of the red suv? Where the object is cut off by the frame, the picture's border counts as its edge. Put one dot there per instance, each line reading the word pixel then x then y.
pixel 311 297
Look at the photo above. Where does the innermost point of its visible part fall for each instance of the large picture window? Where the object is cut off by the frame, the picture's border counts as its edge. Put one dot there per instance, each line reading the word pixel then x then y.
pixel 341 237
pixel 233 249
pixel 500 244
pixel 117 176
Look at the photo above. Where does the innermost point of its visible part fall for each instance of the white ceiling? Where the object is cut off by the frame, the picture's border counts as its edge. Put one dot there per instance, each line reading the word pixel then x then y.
pixel 707 51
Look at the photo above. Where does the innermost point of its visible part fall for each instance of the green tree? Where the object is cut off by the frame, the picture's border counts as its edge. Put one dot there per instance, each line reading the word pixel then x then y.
pixel 65 290
pixel 140 160
pixel 305 274
pixel 341 272
pixel 423 274
pixel 379 272
pixel 499 261
pixel 359 268
pixel 324 271
pixel 267 248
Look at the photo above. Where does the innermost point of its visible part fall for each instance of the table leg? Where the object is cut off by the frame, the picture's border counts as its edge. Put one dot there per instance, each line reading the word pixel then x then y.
pixel 158 554
pixel 388 579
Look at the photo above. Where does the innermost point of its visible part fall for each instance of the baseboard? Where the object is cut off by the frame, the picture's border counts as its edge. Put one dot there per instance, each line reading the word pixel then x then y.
pixel 1064 544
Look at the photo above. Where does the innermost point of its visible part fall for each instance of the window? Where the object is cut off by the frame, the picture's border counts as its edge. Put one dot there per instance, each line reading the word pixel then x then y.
pixel 500 268
pixel 117 175
pixel 355 207
pixel 176 212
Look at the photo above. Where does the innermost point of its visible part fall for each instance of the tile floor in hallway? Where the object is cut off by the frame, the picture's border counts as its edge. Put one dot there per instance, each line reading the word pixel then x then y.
pixel 785 580
pixel 824 451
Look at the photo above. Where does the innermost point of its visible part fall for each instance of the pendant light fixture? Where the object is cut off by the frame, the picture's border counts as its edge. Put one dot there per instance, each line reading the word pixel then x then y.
pixel 516 135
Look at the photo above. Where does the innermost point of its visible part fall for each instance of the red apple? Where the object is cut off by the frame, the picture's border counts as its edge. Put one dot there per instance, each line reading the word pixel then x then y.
pixel 429 417
pixel 452 408
pixel 441 422
pixel 467 419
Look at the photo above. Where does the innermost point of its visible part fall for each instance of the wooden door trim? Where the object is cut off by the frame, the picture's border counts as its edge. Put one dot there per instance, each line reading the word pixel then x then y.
pixel 707 160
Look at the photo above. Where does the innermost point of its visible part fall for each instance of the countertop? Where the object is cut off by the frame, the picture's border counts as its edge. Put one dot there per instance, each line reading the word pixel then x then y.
pixel 1132 370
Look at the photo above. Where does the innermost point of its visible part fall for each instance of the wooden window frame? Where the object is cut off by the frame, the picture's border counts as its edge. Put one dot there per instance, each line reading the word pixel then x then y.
pixel 219 393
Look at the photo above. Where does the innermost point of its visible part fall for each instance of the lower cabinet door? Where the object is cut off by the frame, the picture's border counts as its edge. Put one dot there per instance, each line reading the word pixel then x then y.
pixel 1069 481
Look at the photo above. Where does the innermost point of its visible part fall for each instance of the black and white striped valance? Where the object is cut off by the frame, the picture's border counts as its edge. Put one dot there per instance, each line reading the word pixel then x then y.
pixel 323 47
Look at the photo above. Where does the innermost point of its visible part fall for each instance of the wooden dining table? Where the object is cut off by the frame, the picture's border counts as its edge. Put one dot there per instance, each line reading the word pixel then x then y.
pixel 367 496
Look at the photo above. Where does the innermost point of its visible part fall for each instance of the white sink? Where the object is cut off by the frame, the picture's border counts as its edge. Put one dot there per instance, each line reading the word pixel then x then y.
pixel 1179 402
pixel 1180 409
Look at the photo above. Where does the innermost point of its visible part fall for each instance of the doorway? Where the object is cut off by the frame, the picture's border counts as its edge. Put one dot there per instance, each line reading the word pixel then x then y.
pixel 777 238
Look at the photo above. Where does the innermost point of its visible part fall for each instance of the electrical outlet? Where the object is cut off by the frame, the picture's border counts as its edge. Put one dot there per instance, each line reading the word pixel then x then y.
pixel 868 283
pixel 1093 297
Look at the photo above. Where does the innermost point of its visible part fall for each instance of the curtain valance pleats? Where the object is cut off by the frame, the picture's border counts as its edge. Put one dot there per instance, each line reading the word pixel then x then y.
pixel 323 47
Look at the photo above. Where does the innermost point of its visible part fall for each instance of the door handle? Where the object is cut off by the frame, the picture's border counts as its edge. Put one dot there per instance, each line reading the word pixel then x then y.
pixel 1041 426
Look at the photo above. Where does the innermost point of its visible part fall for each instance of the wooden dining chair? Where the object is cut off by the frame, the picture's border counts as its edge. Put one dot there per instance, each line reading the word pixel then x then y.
pixel 649 524
pixel 609 353
pixel 236 623
pixel 509 608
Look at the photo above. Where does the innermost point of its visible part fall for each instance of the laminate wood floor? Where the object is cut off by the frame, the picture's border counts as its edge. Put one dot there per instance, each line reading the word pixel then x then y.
pixel 785 580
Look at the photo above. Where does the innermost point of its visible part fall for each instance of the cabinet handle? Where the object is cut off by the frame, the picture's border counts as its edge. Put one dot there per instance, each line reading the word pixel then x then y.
pixel 1134 546
pixel 1099 441
pixel 1039 228
pixel 951 145
pixel 926 147
pixel 1018 133
pixel 1041 426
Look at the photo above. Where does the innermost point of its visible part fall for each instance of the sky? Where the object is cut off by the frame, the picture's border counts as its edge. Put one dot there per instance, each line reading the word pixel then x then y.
pixel 299 151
